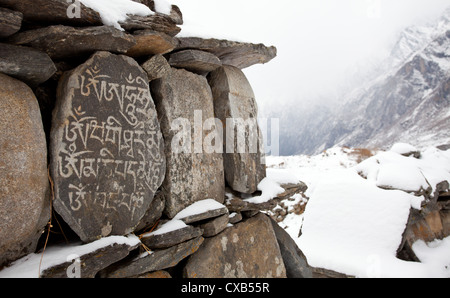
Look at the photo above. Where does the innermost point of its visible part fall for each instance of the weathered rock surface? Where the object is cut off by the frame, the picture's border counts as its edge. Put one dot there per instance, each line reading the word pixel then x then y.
pixel 149 42
pixel 156 260
pixel 52 12
pixel 184 101
pixel 156 22
pixel 10 22
pixel 107 152
pixel 201 211
pixel 153 214
pixel 61 42
pixel 247 250
pixel 240 55
pixel 199 62
pixel 244 153
pixel 156 67
pixel 24 187
pixel 29 65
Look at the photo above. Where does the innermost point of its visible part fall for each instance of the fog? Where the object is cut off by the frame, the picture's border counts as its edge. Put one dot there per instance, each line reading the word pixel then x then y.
pixel 321 43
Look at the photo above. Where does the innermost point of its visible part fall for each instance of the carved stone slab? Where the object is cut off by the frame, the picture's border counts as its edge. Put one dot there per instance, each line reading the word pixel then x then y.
pixel 107 153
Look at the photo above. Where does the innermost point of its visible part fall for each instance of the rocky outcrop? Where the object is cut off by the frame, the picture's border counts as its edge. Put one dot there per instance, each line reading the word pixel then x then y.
pixel 136 170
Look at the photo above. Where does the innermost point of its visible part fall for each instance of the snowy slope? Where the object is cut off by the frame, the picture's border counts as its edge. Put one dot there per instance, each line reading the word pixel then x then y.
pixel 406 99
pixel 354 227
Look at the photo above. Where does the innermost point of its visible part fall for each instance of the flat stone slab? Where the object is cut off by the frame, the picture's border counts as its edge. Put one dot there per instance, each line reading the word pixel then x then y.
pixel 107 151
pixel 149 42
pixel 156 260
pixel 73 260
pixel 249 249
pixel 215 226
pixel 238 54
pixel 26 64
pixel 166 237
pixel 201 210
pixel 199 62
pixel 61 42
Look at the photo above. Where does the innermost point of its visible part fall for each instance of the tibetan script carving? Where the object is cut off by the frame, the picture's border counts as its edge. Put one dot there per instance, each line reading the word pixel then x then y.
pixel 107 149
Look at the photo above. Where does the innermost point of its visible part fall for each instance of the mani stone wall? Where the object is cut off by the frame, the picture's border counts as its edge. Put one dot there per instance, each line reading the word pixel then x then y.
pixel 90 147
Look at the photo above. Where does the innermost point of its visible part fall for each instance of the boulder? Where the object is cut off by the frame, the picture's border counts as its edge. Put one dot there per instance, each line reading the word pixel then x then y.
pixel 237 54
pixel 249 249
pixel 107 151
pixel 52 12
pixel 24 186
pixel 184 102
pixel 154 261
pixel 61 42
pixel 235 106
pixel 199 62
pixel 149 42
pixel 10 22
pixel 26 64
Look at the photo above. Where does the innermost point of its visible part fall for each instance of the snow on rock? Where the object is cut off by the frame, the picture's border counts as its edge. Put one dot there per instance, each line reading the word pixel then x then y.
pixel 28 266
pixel 403 148
pixel 199 208
pixel 114 11
pixel 353 226
pixel 170 226
pixel 163 6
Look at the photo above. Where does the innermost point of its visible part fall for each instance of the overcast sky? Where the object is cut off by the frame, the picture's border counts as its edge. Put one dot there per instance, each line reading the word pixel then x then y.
pixel 319 42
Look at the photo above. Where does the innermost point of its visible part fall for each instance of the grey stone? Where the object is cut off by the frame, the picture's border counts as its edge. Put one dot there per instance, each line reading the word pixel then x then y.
pixel 215 226
pixel 61 42
pixel 172 238
pixel 235 217
pixel 24 186
pixel 156 67
pixel 156 260
pixel 155 22
pixel 238 54
pixel 10 22
pixel 26 64
pixel 235 106
pixel 199 62
pixel 192 174
pixel 153 213
pixel 194 218
pixel 249 249
pixel 107 151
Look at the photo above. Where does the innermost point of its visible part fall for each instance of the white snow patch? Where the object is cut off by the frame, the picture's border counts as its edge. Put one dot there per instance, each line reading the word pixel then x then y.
pixel 163 6
pixel 114 11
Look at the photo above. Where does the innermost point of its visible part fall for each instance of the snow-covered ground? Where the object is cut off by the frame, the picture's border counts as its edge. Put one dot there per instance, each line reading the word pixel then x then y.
pixel 353 226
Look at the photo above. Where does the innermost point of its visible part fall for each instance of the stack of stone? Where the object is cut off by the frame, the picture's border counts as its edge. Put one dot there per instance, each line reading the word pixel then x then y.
pixel 117 131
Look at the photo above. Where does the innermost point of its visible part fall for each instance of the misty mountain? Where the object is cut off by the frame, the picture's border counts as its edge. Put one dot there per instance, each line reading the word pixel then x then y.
pixel 406 99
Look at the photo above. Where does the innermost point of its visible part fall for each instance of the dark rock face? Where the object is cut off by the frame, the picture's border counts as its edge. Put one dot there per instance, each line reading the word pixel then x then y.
pixel 107 151
pixel 24 187
pixel 10 22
